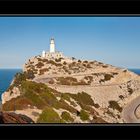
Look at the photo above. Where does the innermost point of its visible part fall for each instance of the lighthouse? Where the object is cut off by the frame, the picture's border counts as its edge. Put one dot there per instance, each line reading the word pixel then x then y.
pixel 52 46
pixel 52 53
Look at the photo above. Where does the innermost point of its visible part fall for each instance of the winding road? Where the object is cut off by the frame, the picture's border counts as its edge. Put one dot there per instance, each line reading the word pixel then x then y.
pixel 129 111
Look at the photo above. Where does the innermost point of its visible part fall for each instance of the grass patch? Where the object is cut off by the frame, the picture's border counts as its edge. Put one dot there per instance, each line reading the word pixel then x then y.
pixel 83 98
pixel 62 104
pixel 49 116
pixel 66 116
pixel 84 115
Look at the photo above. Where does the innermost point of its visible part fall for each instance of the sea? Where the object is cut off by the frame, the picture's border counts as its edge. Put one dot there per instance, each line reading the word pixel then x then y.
pixel 7 75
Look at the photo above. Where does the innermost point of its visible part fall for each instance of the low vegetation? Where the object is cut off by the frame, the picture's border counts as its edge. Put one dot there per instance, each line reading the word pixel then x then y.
pixel 66 116
pixel 115 105
pixel 49 116
pixel 84 115
pixel 107 77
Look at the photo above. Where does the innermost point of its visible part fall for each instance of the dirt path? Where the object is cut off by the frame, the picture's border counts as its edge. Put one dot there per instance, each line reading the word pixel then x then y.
pixel 128 113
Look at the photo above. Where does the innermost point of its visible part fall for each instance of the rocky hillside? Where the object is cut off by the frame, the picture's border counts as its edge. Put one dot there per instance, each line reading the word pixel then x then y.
pixel 76 91
pixel 11 117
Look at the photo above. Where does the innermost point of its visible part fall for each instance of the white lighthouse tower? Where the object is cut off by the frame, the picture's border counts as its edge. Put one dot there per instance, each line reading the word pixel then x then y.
pixel 52 46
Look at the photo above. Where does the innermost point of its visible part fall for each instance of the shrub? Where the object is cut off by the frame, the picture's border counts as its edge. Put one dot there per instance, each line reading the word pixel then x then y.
pixel 130 90
pixel 58 60
pixel 45 60
pixel 65 96
pixel 115 105
pixel 79 61
pixel 39 64
pixel 104 66
pixel 100 63
pixel 33 91
pixel 124 70
pixel 67 80
pixel 107 77
pixel 88 66
pixel 39 59
pixel 49 98
pixel 83 98
pixel 85 61
pixel 73 58
pixel 121 97
pixel 30 74
pixel 84 115
pixel 49 116
pixel 84 65
pixel 42 71
pixel 66 116
pixel 64 63
pixel 62 104
pixel 19 77
pixel 114 73
pixel 88 78
pixel 89 109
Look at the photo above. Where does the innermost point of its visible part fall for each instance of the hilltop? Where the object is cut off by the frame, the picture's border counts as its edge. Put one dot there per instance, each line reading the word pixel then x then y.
pixel 66 90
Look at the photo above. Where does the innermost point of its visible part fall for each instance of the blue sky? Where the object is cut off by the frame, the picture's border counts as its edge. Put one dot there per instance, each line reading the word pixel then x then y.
pixel 112 40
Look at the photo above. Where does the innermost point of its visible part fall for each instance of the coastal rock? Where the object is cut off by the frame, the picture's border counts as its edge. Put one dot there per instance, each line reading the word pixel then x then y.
pixel 8 117
pixel 10 94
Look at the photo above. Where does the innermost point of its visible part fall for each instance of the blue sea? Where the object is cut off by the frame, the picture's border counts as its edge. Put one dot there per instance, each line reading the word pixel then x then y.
pixel 137 71
pixel 6 77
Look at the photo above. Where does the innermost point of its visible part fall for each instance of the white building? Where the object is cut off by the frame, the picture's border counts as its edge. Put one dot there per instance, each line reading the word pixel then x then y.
pixel 52 54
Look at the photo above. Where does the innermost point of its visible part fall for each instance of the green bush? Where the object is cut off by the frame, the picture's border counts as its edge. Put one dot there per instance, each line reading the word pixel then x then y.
pixel 121 97
pixel 39 65
pixel 49 116
pixel 108 77
pixel 104 66
pixel 66 96
pixel 62 104
pixel 30 74
pixel 42 71
pixel 58 60
pixel 84 115
pixel 64 63
pixel 115 105
pixel 67 80
pixel 83 98
pixel 66 116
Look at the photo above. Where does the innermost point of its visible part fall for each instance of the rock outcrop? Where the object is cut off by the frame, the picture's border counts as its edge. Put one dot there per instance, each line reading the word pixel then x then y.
pixel 14 118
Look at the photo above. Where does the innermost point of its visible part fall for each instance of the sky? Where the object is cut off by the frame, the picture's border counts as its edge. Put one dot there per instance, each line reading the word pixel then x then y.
pixel 111 40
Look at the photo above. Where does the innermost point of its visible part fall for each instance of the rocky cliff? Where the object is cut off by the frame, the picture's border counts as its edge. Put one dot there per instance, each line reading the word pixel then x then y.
pixel 73 91
pixel 11 117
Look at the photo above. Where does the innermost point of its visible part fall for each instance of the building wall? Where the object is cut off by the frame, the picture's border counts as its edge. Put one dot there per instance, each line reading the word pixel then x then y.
pixel 54 55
